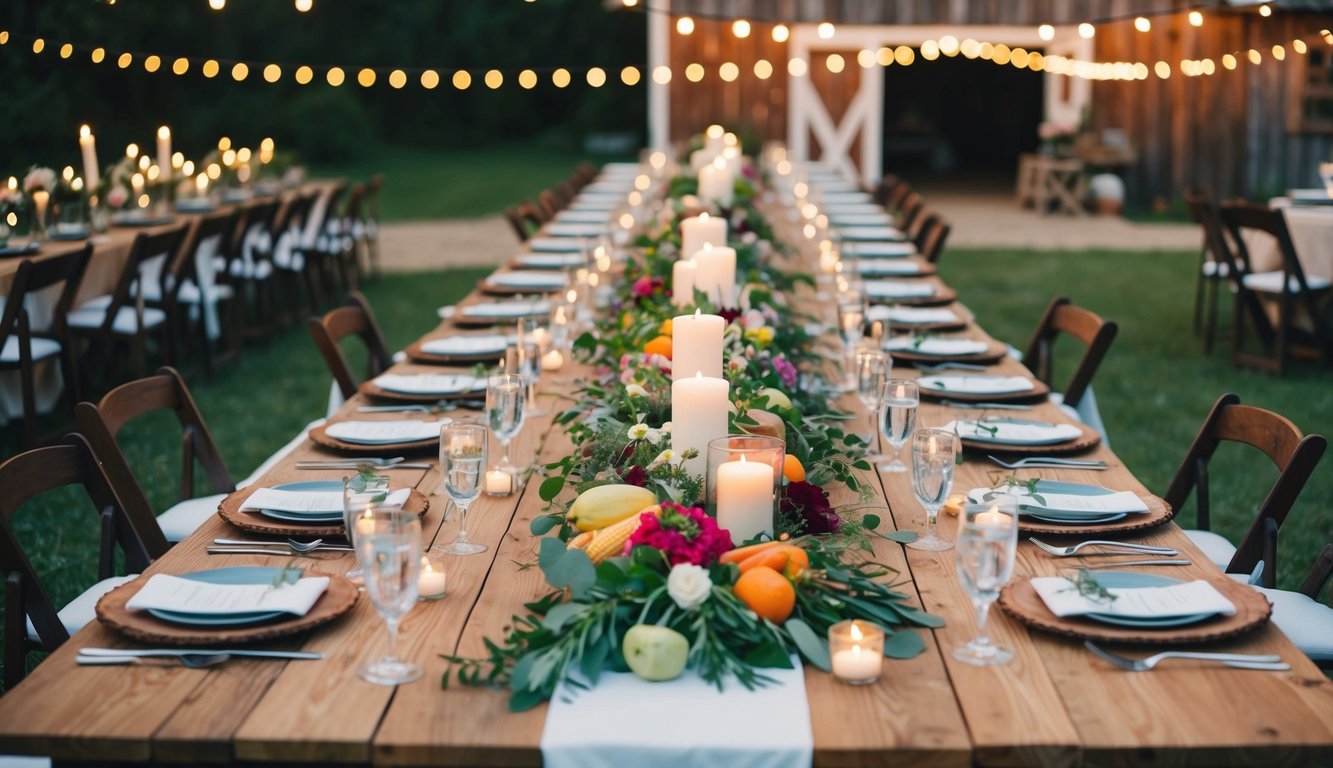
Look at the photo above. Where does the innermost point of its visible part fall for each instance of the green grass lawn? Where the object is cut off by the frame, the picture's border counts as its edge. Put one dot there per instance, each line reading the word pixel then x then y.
pixel 1156 386
pixel 456 183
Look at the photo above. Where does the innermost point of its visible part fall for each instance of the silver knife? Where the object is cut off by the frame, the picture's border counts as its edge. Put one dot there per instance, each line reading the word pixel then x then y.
pixel 255 551
pixel 1134 562
pixel 987 406
pixel 279 544
pixel 141 652
pixel 355 465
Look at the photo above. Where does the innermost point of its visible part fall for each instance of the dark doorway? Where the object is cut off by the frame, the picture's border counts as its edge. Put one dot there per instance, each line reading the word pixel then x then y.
pixel 959 114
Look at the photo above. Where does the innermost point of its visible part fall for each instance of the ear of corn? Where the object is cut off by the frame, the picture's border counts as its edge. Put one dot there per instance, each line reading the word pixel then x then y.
pixel 609 541
pixel 581 541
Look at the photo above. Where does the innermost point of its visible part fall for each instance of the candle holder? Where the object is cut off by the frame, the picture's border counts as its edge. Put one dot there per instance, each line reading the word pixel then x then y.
pixel 856 651
pixel 432 582
pixel 742 481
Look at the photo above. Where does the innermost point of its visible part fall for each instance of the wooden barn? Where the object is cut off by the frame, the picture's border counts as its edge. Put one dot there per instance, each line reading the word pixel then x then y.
pixel 1235 95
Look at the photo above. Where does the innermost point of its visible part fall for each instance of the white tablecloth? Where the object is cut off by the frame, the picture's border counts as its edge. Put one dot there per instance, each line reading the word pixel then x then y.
pixel 1311 228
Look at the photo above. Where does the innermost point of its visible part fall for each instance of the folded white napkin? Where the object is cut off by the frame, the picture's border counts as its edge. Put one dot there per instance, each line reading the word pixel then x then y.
pixel 861 220
pixel 172 593
pixel 571 229
pixel 851 209
pixel 570 216
pixel 556 244
pixel 911 315
pixel 1064 599
pixel 507 309
pixel 619 186
pixel 897 289
pixel 1126 502
pixel 382 432
pixel 887 249
pixel 936 346
pixel 311 501
pixel 890 267
pixel 466 345
pixel 546 260
pixel 1011 432
pixel 527 278
pixel 871 233
pixel 833 197
pixel 976 385
pixel 430 383
pixel 678 723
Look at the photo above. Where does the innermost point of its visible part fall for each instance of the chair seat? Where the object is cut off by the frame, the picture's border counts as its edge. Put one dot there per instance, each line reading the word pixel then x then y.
pixel 1212 268
pixel 189 293
pixel 1216 548
pixel 41 348
pixel 1307 622
pixel 1087 412
pixel 185 517
pixel 126 321
pixel 1271 282
pixel 252 270
pixel 82 609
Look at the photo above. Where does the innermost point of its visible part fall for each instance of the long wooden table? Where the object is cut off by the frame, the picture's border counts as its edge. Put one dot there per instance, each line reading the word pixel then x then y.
pixel 1054 704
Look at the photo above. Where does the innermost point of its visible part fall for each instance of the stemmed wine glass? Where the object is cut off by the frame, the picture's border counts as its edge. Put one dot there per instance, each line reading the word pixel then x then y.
pixel 872 369
pixel 463 461
pixel 388 544
pixel 361 494
pixel 897 419
pixel 525 359
pixel 851 321
pixel 933 452
pixel 506 401
pixel 985 561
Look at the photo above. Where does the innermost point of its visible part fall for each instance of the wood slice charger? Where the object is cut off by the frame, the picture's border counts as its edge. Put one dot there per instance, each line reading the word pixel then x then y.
pixel 1158 512
pixel 320 436
pixel 1022 602
pixel 251 520
pixel 417 354
pixel 374 390
pixel 991 354
pixel 500 289
pixel 923 269
pixel 143 626
pixel 1088 440
pixel 942 295
pixel 1039 391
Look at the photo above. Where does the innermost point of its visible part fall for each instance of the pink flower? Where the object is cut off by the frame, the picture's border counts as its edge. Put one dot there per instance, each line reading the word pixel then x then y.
pixel 684 535
pixel 118 196
pixel 642 287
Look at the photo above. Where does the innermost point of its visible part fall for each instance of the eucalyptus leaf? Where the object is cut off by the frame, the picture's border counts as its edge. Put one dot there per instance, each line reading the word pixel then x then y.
pixel 903 644
pixel 902 537
pixel 871 522
pixel 813 647
pixel 559 616
pixel 573 570
pixel 542 524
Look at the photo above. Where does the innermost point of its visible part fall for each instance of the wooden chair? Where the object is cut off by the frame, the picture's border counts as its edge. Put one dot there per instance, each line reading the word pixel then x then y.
pixel 887 188
pixel 583 174
pixel 1062 317
pixel 32 622
pixel 287 255
pixel 371 223
pixel 122 317
pixel 355 319
pixel 910 210
pixel 195 294
pixel 1295 457
pixel 163 391
pixel 251 268
pixel 1216 264
pixel 22 347
pixel 525 219
pixel 931 238
pixel 1304 317
pixel 548 204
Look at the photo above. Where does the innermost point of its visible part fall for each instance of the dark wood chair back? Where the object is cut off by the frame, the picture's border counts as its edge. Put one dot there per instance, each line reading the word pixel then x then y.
pixel 165 390
pixel 932 237
pixel 1294 455
pixel 23 477
pixel 548 204
pixel 355 319
pixel 584 173
pixel 1063 317
pixel 524 219
pixel 146 246
pixel 30 277
pixel 219 227
pixel 256 217
pixel 910 210
pixel 1319 574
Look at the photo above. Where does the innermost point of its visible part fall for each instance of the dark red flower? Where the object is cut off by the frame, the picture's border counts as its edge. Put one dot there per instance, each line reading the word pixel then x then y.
pixel 807 502
pixel 729 314
pixel 633 476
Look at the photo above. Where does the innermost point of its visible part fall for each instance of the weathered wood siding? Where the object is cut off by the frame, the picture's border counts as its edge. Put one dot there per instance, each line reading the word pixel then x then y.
pixel 1228 131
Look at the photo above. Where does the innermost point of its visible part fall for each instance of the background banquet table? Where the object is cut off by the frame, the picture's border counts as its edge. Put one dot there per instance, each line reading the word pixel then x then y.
pixel 1054 704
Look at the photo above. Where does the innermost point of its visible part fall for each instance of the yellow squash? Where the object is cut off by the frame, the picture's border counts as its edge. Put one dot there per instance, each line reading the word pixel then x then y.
pixel 605 505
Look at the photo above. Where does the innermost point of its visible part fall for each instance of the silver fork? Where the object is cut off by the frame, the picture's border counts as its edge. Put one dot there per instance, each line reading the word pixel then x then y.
pixel 1271 662
pixel 353 464
pixel 937 367
pixel 1129 545
pixel 296 546
pixel 987 406
pixel 1048 461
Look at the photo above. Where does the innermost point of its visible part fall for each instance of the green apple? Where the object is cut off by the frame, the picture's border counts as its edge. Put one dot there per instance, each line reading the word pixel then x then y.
pixel 776 397
pixel 655 653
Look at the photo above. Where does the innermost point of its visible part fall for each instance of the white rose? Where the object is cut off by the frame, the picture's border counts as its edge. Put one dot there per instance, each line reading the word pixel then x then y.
pixel 689 585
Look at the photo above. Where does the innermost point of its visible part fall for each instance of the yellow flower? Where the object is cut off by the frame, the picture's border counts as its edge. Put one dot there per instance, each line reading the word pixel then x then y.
pixel 760 336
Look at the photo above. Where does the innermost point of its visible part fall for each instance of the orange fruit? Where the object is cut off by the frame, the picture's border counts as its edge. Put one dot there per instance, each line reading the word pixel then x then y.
pixel 767 593
pixel 659 345
pixel 666 327
pixel 792 469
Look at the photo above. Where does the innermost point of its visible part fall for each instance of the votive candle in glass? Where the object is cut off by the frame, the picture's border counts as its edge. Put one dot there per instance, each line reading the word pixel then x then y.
pixel 856 650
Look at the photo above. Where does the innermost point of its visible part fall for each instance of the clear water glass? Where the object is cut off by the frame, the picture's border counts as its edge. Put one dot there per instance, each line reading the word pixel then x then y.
pixel 525 359
pixel 987 540
pixel 851 322
pixel 872 370
pixel 389 546
pixel 463 462
pixel 933 453
pixel 361 493
pixel 897 419
pixel 506 404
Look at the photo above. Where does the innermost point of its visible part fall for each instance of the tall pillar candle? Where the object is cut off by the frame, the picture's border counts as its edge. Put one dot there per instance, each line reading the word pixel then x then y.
pixel 701 230
pixel 696 346
pixel 716 275
pixel 745 498
pixel 699 406
pixel 164 152
pixel 716 182
pixel 715 138
pixel 682 283
pixel 88 147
